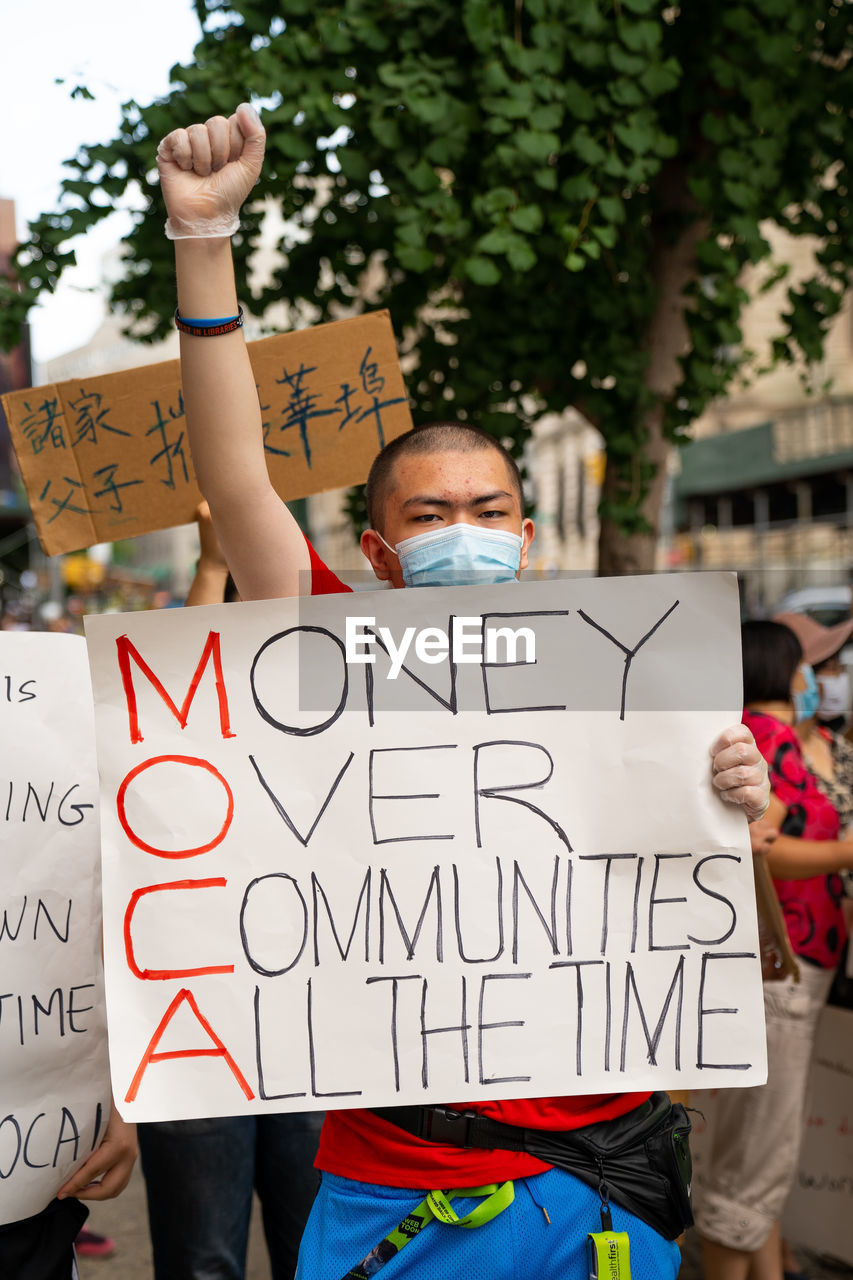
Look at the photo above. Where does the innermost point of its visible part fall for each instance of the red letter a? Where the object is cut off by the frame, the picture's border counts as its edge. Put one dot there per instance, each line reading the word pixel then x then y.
pixel 219 1051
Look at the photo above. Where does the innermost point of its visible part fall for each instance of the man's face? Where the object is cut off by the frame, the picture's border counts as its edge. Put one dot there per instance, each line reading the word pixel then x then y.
pixel 433 490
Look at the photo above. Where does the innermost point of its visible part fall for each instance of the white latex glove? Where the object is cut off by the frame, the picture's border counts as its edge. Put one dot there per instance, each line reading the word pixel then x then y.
pixel 740 772
pixel 207 171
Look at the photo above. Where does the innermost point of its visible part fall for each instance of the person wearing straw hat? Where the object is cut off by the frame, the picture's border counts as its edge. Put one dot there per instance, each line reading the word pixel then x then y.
pixel 826 753
pixel 822 648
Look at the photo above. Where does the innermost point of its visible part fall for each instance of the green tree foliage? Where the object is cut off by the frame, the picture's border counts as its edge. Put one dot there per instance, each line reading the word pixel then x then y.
pixel 564 194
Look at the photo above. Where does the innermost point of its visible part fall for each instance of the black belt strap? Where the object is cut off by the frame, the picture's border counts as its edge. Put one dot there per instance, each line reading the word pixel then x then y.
pixel 456 1128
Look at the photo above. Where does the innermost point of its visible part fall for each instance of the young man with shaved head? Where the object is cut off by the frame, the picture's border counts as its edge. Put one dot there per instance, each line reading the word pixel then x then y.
pixel 444 500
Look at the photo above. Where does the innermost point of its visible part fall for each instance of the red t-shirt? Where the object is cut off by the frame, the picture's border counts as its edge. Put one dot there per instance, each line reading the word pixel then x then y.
pixel 811 907
pixel 360 1145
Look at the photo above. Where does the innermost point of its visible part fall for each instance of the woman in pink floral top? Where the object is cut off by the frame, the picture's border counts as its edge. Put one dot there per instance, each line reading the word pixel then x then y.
pixel 806 859
pixel 755 1134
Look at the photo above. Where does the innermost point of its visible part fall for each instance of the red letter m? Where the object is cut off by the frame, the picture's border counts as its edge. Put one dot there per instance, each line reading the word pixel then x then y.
pixel 127 650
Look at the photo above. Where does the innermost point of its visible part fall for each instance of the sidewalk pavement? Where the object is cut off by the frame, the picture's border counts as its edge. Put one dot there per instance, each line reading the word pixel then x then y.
pixel 125 1220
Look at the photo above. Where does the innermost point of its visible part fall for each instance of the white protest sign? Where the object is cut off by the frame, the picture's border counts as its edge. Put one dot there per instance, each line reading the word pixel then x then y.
pixel 818 1211
pixel 54 1072
pixel 331 888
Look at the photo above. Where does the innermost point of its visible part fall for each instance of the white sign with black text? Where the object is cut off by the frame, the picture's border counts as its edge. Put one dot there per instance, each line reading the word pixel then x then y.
pixel 326 887
pixel 54 1071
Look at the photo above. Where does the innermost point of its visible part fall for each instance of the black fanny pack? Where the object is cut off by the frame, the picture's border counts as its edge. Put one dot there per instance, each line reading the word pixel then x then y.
pixel 640 1161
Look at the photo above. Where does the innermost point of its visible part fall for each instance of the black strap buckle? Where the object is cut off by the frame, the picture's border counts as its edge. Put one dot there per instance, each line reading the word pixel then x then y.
pixel 440 1124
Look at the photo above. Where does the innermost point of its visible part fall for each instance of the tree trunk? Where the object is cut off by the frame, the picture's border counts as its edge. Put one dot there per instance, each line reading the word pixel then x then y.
pixel 673 268
pixel 622 553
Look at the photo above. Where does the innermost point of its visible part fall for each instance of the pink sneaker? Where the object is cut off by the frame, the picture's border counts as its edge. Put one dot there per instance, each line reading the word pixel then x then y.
pixel 91 1245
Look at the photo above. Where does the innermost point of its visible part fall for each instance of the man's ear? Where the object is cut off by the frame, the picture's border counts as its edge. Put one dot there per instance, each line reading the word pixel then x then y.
pixel 527 534
pixel 382 560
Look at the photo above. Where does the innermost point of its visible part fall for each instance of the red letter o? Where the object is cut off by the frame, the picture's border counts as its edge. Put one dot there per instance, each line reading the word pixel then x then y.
pixel 173 853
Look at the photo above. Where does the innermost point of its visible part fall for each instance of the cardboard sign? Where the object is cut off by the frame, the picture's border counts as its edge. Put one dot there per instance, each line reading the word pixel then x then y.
pixel 106 458
pixel 54 1074
pixel 488 863
pixel 777 955
pixel 818 1211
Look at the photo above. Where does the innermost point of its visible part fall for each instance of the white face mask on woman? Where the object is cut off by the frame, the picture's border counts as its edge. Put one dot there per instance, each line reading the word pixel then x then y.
pixel 834 696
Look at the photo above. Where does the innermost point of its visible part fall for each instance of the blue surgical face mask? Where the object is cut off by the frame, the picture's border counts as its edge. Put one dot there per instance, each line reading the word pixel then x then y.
pixel 458 555
pixel 806 700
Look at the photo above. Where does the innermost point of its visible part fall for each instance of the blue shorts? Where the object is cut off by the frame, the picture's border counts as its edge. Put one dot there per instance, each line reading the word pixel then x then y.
pixel 349 1218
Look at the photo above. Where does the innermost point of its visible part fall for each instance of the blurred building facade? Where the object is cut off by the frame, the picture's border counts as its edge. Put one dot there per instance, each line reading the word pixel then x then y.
pixel 766 485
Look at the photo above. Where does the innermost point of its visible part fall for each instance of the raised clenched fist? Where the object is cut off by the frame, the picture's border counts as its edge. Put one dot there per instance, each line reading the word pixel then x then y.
pixel 207 171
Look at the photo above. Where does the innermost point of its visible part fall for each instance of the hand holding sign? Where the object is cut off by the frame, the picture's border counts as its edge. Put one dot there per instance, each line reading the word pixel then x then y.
pixel 207 171
pixel 740 771
pixel 107 1171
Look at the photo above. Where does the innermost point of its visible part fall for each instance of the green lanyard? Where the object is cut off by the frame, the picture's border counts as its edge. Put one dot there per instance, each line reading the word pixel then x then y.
pixel 436 1204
